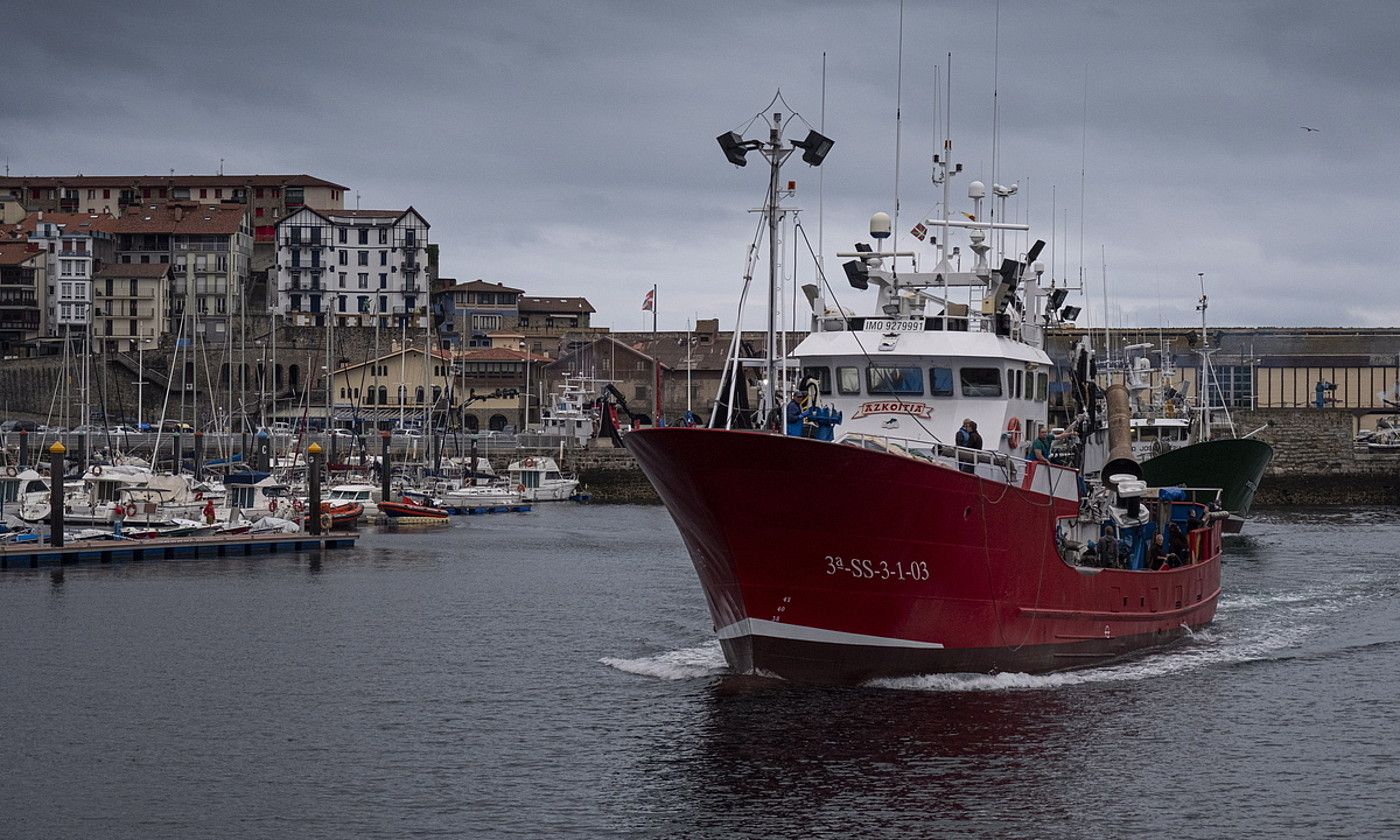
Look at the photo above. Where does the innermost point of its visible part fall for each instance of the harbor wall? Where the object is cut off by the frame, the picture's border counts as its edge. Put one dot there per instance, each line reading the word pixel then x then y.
pixel 1316 462
pixel 611 475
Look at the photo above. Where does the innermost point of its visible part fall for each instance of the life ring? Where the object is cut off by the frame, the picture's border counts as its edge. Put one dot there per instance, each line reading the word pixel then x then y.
pixel 326 522
pixel 97 469
pixel 297 505
pixel 271 505
pixel 131 509
pixel 520 488
pixel 1013 432
pixel 11 472
pixel 528 462
pixel 199 495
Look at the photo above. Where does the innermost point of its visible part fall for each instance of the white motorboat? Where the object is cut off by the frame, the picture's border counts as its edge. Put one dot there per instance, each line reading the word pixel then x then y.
pixel 539 480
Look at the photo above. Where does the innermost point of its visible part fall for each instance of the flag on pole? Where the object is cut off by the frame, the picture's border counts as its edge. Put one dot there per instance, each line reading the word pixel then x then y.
pixel 919 231
pixel 649 302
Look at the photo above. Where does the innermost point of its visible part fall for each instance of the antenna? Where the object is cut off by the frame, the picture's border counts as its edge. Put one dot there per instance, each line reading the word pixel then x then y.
pixel 898 102
pixel 1083 156
pixel 221 167
pixel 996 67
pixel 821 177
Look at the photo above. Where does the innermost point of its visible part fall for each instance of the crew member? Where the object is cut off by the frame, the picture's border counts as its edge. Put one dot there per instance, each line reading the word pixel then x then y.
pixel 795 415
pixel 209 512
pixel 1040 448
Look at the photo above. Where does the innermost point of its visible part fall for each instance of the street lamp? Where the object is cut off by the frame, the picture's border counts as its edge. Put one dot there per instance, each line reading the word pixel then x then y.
pixel 815 148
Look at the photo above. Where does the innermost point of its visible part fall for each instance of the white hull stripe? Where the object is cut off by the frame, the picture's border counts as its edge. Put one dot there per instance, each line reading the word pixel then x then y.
pixel 800 633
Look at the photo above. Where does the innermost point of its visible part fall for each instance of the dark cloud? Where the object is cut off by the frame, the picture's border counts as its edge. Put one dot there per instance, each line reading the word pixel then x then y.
pixel 570 147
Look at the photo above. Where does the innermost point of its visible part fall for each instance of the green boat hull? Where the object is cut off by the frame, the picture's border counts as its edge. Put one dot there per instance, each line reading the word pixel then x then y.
pixel 1234 465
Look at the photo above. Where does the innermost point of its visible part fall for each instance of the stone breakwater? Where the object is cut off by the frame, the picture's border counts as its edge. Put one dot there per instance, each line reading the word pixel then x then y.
pixel 1315 461
pixel 612 476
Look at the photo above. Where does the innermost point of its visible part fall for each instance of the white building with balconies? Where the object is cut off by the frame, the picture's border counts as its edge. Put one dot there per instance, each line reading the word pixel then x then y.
pixel 360 268
pixel 72 244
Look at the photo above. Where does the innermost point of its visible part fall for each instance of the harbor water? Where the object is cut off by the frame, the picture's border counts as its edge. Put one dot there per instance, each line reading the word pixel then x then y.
pixel 554 674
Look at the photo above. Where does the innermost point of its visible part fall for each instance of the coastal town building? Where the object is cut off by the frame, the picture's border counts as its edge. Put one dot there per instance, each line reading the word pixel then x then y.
pixel 130 306
pixel 268 197
pixel 473 310
pixel 208 246
pixel 22 277
pixel 352 268
pixel 472 390
pixel 75 244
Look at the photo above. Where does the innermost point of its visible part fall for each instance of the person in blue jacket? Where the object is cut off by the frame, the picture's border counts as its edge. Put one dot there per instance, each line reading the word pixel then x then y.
pixel 795 414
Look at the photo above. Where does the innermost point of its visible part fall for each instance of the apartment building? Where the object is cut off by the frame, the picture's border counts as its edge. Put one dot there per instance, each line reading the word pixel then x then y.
pixel 75 244
pixel 268 197
pixel 131 305
pixel 474 310
pixel 209 250
pixel 22 276
pixel 352 268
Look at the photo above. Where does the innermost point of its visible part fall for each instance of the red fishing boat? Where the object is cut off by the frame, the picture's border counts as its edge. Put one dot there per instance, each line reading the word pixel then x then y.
pixel 893 549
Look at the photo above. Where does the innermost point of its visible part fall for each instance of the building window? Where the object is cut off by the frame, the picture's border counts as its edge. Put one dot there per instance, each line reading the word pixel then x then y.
pixel 383 236
pixel 344 256
pixel 106 193
pixel 383 281
pixel 364 280
pixel 258 212
pixel 364 236
pixel 257 192
pixel 203 193
pixel 219 192
pixel 383 257
pixel 497 423
pixel 363 257
pixel 341 234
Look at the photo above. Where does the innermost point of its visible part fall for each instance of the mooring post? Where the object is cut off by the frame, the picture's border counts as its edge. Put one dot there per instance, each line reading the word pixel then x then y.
pixel 262 455
pixel 56 494
pixel 313 506
pixel 198 455
pixel 23 448
pixel 384 467
pixel 175 453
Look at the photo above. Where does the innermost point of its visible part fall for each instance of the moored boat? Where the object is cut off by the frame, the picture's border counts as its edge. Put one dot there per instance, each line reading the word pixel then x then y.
pixel 341 515
pixel 409 509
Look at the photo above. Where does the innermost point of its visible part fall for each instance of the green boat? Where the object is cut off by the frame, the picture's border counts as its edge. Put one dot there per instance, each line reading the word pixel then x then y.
pixel 1235 465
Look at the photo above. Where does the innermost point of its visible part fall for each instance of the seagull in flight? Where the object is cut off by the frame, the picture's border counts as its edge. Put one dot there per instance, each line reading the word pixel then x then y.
pixel 1307 128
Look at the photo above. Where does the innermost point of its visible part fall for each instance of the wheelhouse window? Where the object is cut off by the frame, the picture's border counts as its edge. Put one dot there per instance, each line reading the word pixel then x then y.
pixel 980 382
pixel 847 380
pixel 1042 386
pixel 894 380
pixel 940 382
pixel 823 377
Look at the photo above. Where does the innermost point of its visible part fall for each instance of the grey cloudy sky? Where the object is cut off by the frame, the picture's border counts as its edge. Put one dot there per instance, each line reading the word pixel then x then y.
pixel 568 148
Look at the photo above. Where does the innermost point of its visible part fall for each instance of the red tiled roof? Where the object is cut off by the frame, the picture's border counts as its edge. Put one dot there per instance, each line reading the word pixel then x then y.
pixel 71 222
pixel 195 218
pixel 480 285
pixel 124 181
pixel 16 253
pixel 570 305
pixel 500 354
pixel 138 270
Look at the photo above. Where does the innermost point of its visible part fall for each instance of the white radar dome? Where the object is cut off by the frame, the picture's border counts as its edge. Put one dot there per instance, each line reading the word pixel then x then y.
pixel 880 225
pixel 977 189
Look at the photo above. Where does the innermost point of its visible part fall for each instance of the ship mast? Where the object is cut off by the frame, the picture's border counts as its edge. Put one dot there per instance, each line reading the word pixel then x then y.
pixel 1205 361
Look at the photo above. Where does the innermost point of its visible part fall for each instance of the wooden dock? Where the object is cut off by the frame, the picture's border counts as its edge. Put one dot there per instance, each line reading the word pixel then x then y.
pixel 35 555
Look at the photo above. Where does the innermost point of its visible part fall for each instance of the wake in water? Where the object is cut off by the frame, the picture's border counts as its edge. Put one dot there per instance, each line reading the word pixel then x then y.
pixel 707 660
pixel 1284 628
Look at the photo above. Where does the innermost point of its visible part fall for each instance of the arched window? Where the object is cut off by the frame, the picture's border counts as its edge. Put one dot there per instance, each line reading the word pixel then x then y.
pixel 471 423
pixel 223 374
pixel 498 423
pixel 294 377
pixel 437 393
pixel 403 394
pixel 383 395
pixel 369 396
pixel 418 395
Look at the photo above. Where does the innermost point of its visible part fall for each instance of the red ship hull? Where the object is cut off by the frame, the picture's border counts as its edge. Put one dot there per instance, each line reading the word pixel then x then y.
pixel 834 563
